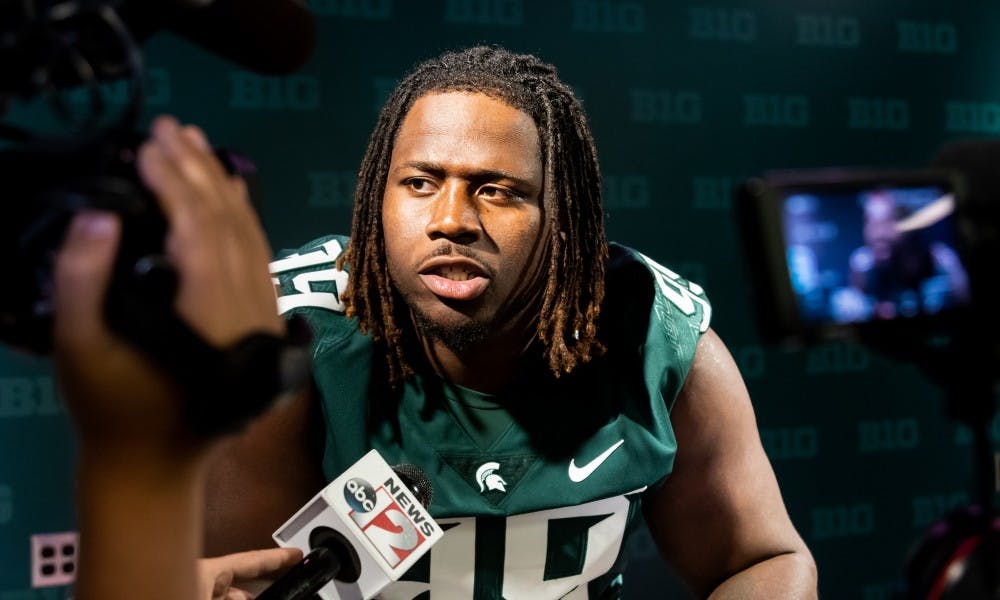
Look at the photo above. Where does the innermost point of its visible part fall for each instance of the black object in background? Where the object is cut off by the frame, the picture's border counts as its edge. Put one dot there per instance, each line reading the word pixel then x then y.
pixel 957 344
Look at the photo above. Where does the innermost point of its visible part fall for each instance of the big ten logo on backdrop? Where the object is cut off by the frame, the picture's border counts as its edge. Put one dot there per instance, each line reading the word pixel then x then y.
pixel 842 521
pixel 28 397
pixel 331 189
pixel 775 110
pixel 375 10
pixel 888 435
pixel 628 191
pixel 665 106
pixel 790 443
pixel 722 24
pixel 837 358
pixel 6 504
pixel 878 114
pixel 972 117
pixel 157 90
pixel 883 590
pixel 604 16
pixel 829 31
pixel 293 93
pixel 932 508
pixel 926 38
pixel 712 193
pixel 507 13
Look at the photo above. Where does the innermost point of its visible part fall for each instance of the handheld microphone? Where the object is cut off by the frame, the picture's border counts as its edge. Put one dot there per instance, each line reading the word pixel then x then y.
pixel 359 533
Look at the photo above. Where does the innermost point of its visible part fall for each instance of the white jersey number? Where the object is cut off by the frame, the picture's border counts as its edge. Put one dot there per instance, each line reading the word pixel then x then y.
pixel 685 297
pixel 303 282
pixel 546 554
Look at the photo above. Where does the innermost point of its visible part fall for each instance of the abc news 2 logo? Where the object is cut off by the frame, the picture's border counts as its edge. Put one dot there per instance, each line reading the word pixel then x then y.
pixel 391 520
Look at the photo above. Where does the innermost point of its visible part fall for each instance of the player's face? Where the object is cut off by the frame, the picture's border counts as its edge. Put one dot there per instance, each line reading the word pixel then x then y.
pixel 462 213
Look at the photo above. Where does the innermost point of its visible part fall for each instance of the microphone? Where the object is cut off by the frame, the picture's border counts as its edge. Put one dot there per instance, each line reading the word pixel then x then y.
pixel 271 37
pixel 359 533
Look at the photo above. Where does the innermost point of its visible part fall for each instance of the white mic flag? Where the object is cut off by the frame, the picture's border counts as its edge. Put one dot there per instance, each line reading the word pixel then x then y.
pixel 376 515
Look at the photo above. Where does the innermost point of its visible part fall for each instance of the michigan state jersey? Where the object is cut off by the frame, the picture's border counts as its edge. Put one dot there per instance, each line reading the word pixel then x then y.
pixel 537 488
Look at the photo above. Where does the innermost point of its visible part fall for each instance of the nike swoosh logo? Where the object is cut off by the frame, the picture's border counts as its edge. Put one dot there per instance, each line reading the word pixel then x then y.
pixel 578 474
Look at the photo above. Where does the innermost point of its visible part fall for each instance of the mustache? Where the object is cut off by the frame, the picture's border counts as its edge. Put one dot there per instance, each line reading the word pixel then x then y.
pixel 449 249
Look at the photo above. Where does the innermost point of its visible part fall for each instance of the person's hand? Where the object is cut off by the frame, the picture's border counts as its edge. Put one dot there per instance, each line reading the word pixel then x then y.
pixel 227 577
pixel 119 398
pixel 215 239
pixel 116 396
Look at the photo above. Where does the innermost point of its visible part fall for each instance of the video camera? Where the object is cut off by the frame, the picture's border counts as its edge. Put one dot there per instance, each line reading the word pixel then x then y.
pixel 52 48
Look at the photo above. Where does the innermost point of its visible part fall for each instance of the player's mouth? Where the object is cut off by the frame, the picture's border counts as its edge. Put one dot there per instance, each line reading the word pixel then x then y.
pixel 454 278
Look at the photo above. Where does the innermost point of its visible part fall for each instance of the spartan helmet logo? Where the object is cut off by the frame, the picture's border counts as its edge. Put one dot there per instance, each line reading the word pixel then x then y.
pixel 489 479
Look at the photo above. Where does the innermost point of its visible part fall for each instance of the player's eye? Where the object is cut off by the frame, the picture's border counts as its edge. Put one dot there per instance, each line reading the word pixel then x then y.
pixel 499 194
pixel 419 185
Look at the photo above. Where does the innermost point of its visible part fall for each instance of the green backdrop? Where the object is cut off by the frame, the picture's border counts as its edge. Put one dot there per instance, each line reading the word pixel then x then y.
pixel 686 99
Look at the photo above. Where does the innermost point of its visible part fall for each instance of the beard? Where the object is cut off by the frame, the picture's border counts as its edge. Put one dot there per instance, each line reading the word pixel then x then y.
pixel 459 338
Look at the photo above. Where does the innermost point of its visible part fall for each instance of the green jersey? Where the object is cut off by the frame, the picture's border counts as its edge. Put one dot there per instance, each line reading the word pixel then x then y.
pixel 538 488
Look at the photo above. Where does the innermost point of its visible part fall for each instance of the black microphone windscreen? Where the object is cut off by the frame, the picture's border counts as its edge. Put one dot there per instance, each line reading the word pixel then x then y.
pixel 417 481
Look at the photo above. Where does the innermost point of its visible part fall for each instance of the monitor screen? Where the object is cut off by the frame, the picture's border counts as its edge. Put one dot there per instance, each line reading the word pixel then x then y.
pixel 872 253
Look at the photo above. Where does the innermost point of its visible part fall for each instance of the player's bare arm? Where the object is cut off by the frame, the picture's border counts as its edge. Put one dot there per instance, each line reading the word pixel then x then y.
pixel 719 519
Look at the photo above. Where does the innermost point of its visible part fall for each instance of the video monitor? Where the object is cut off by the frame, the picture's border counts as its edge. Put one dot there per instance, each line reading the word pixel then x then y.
pixel 834 250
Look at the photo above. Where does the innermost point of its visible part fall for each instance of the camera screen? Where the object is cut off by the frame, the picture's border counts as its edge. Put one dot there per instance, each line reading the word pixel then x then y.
pixel 874 253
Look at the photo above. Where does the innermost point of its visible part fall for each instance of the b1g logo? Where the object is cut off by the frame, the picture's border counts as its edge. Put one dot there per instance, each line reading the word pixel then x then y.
pixel 395 531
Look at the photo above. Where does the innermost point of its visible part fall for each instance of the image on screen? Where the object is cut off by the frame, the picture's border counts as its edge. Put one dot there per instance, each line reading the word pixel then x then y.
pixel 875 254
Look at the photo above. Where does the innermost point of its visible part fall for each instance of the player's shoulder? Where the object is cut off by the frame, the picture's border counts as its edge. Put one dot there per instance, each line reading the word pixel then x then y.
pixel 636 280
pixel 309 282
pixel 655 315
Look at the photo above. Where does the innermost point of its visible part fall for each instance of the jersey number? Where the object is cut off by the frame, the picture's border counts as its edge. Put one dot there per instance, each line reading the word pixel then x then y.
pixel 546 554
pixel 303 282
pixel 684 296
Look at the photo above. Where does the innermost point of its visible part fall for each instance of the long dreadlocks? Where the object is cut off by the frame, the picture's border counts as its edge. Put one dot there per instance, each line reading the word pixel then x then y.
pixel 574 286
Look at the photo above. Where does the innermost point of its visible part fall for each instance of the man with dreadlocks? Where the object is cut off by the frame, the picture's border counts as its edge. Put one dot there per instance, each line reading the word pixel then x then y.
pixel 478 325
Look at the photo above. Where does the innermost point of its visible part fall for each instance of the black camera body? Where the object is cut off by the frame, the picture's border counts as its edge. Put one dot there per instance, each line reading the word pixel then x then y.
pixel 51 47
pixel 54 46
pixel 51 185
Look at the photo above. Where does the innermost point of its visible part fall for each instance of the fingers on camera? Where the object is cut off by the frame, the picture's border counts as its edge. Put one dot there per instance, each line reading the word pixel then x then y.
pixel 180 166
pixel 83 271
